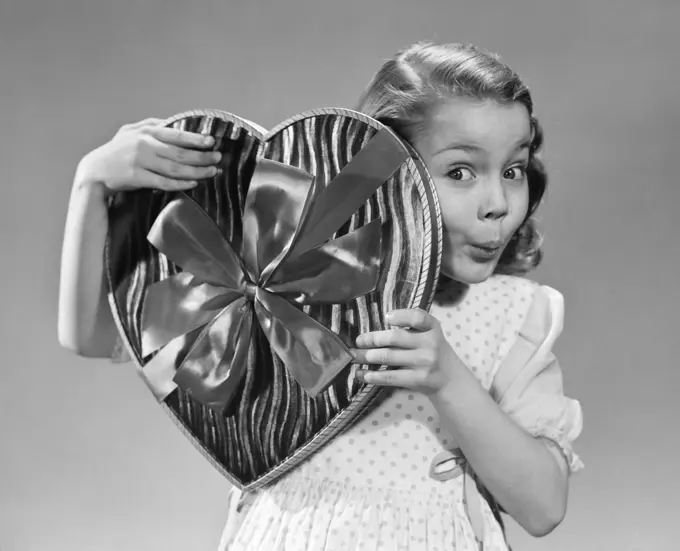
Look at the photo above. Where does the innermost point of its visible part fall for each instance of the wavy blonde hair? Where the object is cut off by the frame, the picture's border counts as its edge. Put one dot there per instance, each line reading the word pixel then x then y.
pixel 407 86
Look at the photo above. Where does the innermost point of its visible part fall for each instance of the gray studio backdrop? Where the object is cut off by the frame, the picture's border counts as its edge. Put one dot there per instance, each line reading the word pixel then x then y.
pixel 88 460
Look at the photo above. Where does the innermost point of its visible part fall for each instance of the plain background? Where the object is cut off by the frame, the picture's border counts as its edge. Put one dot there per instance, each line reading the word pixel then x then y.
pixel 89 461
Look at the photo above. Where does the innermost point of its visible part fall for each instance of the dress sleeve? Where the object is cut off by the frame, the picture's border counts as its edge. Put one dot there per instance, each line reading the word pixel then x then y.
pixel 528 385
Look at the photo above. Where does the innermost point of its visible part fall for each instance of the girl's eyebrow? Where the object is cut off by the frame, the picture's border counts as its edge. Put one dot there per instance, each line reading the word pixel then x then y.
pixel 466 147
pixel 524 143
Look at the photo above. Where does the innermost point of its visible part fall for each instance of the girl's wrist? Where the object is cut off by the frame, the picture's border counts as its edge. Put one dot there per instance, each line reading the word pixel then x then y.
pixel 460 381
pixel 86 180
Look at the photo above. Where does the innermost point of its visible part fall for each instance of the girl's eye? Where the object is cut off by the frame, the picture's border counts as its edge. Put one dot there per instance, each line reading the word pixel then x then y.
pixel 515 173
pixel 461 173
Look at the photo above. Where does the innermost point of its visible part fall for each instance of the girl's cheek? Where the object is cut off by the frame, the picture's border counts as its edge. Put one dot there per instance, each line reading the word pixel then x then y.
pixel 522 208
pixel 459 216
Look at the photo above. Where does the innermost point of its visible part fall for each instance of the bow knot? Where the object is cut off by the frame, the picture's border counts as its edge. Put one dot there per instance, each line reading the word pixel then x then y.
pixel 249 290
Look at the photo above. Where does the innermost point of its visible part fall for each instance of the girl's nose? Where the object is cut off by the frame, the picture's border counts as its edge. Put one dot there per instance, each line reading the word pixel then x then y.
pixel 494 203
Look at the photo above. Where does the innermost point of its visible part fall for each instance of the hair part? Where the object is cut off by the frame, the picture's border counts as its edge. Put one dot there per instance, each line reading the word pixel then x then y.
pixel 403 92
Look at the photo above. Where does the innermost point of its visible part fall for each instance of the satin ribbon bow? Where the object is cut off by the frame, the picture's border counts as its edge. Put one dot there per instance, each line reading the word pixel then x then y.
pixel 201 320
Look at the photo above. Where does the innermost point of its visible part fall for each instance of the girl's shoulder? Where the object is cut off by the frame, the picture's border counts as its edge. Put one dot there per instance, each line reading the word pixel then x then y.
pixel 499 296
pixel 511 294
pixel 507 285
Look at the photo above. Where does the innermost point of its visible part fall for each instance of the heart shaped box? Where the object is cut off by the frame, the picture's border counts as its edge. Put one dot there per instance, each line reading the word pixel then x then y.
pixel 271 423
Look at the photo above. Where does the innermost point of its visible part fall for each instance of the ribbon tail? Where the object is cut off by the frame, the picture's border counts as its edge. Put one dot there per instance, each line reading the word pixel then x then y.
pixel 160 371
pixel 351 188
pixel 473 505
pixel 214 367
pixel 336 272
pixel 178 305
pixel 313 354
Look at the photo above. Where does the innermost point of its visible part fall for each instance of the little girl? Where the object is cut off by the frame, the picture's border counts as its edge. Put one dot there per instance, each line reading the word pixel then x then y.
pixel 475 423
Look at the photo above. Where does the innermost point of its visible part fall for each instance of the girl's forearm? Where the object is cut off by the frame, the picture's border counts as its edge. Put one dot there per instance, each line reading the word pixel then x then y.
pixel 519 470
pixel 85 323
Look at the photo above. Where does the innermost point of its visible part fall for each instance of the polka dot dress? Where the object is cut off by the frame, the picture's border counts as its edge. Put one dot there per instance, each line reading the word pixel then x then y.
pixel 372 488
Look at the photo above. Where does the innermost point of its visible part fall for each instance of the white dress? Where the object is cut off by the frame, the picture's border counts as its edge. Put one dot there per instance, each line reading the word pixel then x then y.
pixel 375 487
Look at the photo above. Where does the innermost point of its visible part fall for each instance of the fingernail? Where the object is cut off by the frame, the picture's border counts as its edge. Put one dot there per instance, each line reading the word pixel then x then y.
pixel 217 156
pixel 388 317
pixel 208 140
pixel 218 170
pixel 360 375
pixel 359 340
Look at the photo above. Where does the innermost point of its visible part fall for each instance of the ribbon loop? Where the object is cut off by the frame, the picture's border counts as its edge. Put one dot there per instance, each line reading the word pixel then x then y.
pixel 186 234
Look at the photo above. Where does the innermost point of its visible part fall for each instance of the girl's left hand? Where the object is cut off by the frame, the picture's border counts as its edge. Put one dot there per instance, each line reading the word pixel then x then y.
pixel 416 345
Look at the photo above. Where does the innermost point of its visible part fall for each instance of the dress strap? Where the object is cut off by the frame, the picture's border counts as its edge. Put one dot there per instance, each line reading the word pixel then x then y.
pixel 451 464
pixel 473 506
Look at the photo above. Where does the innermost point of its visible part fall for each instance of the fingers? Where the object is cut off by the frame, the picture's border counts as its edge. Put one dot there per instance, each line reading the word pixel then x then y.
pixel 184 156
pixel 152 180
pixel 180 155
pixel 393 357
pixel 181 138
pixel 402 378
pixel 396 338
pixel 417 319
pixel 178 170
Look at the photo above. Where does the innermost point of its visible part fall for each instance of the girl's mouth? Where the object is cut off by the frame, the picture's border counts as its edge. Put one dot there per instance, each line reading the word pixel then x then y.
pixel 484 252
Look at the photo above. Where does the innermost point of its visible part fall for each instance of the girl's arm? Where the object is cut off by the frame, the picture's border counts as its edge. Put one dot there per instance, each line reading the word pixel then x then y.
pixel 86 325
pixel 141 155
pixel 526 475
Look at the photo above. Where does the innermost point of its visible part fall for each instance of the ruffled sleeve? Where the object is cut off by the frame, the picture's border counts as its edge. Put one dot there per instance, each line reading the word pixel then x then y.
pixel 528 385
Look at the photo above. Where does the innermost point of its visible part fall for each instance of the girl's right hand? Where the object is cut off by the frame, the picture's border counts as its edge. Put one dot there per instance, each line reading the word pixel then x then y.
pixel 148 154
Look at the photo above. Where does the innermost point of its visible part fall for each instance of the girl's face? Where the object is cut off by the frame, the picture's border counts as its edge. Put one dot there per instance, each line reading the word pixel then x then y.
pixel 477 153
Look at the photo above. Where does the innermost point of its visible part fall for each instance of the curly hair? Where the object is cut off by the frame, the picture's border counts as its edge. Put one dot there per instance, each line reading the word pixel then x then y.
pixel 406 87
